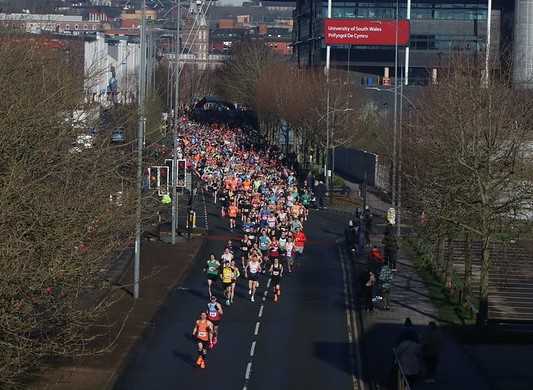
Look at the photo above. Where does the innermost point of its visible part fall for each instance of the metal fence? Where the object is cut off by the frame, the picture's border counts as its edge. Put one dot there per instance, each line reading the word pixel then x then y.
pixel 359 166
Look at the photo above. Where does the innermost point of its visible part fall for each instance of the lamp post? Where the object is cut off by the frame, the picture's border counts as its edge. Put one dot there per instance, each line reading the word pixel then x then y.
pixel 175 130
pixel 140 144
pixel 326 70
pixel 406 69
pixel 397 159
pixel 486 76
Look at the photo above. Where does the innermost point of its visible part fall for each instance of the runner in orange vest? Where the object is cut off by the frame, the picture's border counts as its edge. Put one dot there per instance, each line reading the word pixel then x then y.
pixel 203 331
pixel 232 213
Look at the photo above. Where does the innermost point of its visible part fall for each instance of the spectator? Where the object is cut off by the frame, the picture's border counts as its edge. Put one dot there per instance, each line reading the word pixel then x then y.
pixel 390 248
pixel 431 347
pixel 385 280
pixel 369 291
pixel 367 217
pixel 375 259
pixel 320 192
pixel 350 234
pixel 408 352
pixel 310 180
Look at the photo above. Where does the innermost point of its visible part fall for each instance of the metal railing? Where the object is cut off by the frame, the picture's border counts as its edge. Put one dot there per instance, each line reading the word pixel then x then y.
pixel 401 382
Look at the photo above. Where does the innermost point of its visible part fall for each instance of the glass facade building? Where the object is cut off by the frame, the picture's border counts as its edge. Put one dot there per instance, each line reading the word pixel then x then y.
pixel 438 27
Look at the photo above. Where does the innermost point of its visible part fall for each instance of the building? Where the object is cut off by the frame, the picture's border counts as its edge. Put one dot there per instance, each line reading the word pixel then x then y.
pixel 111 68
pixel 54 23
pixel 438 27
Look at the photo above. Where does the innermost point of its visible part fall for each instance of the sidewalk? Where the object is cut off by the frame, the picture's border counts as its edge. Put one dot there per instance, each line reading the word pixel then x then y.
pixel 163 267
pixel 382 328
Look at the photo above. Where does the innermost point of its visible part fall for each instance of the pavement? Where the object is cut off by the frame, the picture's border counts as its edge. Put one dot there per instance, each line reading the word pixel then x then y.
pixel 162 267
pixel 303 342
pixel 381 328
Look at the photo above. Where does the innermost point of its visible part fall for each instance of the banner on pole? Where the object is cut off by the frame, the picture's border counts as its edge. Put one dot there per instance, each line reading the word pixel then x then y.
pixel 366 32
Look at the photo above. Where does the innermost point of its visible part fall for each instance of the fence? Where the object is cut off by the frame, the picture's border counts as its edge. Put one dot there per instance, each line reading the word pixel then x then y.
pixel 359 165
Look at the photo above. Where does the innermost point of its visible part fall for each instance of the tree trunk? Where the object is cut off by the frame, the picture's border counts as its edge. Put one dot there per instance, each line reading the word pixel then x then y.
pixel 468 268
pixel 448 265
pixel 435 259
pixel 484 281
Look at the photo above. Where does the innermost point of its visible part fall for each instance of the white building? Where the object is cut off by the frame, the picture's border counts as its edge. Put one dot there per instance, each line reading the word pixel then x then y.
pixel 111 68
pixel 56 23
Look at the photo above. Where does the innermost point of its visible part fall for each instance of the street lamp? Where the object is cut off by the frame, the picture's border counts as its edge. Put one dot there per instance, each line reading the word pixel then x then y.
pixel 397 158
pixel 487 49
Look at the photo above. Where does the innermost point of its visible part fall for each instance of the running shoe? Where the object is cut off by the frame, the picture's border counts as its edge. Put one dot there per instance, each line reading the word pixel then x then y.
pixel 252 299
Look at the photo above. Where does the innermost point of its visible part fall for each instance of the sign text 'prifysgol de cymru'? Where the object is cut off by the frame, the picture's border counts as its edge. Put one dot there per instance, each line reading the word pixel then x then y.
pixel 366 32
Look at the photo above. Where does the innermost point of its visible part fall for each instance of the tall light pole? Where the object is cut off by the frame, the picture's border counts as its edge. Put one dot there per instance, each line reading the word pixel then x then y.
pixel 406 69
pixel 328 60
pixel 486 76
pixel 140 144
pixel 395 119
pixel 175 130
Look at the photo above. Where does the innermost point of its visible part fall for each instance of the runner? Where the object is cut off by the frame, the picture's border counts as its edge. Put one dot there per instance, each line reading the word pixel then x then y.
pixel 246 246
pixel 227 280
pixel 236 274
pixel 289 254
pixel 299 242
pixel 232 213
pixel 252 270
pixel 276 271
pixel 214 314
pixel 213 269
pixel 203 332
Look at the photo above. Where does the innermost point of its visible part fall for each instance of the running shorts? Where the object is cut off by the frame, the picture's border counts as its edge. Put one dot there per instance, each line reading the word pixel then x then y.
pixel 253 277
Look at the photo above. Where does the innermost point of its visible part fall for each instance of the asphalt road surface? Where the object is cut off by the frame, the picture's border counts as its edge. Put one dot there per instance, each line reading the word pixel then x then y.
pixel 302 342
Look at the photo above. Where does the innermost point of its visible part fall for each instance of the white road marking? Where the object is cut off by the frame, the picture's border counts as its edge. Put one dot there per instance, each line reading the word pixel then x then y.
pixel 260 314
pixel 268 282
pixel 264 299
pixel 351 322
pixel 248 371
pixel 252 349
pixel 265 293
pixel 257 324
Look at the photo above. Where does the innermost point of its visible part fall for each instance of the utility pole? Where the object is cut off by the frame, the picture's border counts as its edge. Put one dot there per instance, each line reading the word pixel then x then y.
pixel 486 76
pixel 406 69
pixel 395 119
pixel 140 144
pixel 328 60
pixel 175 130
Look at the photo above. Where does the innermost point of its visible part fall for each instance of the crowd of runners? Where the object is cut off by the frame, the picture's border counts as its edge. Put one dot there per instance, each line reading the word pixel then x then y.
pixel 265 208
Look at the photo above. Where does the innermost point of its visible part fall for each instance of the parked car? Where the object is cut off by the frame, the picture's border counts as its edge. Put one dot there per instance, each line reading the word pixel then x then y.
pixel 118 136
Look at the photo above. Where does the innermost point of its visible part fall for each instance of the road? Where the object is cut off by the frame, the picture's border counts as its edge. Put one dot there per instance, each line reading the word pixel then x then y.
pixel 302 342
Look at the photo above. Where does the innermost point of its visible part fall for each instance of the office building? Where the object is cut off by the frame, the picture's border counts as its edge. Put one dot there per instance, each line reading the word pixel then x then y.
pixel 438 28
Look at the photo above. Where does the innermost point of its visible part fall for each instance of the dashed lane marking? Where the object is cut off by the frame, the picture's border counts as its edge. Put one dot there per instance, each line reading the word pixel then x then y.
pixel 252 349
pixel 248 371
pixel 257 325
pixel 260 314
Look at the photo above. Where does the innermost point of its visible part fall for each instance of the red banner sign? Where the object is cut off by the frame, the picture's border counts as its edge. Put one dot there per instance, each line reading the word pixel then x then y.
pixel 365 32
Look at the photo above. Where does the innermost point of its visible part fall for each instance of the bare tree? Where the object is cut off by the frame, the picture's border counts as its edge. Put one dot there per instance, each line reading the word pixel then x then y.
pixel 468 157
pixel 64 210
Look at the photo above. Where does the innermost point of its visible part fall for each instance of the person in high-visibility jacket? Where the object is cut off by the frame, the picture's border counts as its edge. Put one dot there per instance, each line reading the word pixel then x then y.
pixel 166 199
